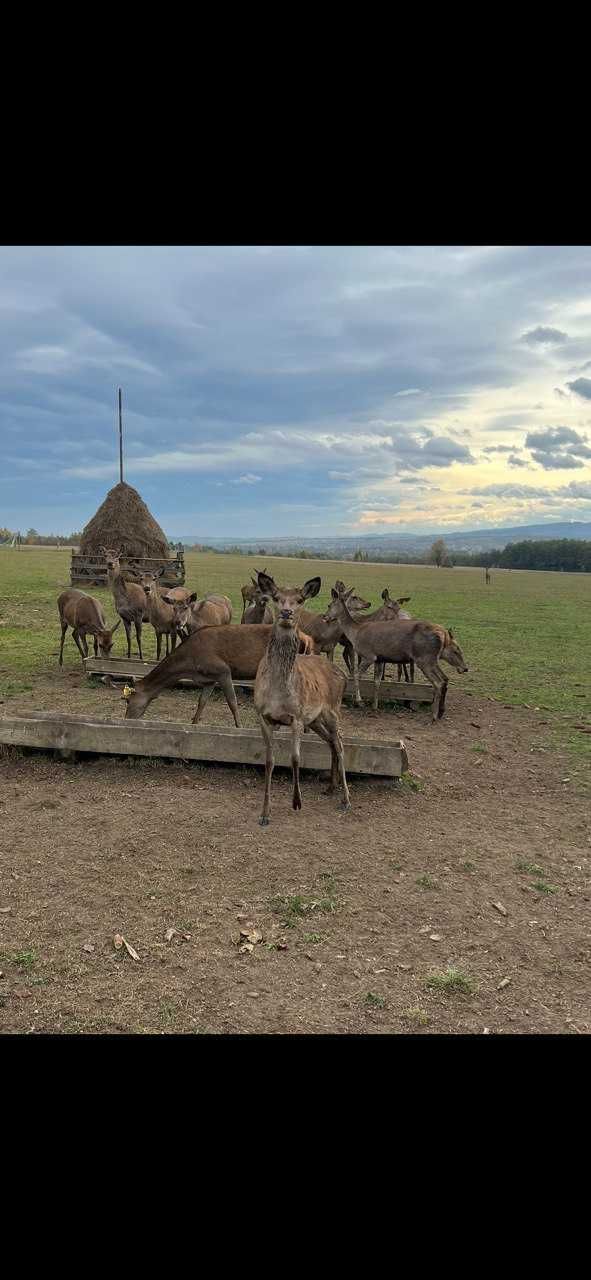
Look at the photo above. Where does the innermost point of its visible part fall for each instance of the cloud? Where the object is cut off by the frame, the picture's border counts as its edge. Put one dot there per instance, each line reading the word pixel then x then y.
pixel 412 391
pixel 562 394
pixel 512 461
pixel 574 491
pixel 542 336
pixel 581 387
pixel 248 478
pixel 555 461
pixel 500 448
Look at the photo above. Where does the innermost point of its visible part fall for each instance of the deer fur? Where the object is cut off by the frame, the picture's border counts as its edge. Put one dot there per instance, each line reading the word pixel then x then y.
pixel 130 598
pixel 248 594
pixel 213 655
pixel 302 692
pixel 85 615
pixel 326 635
pixel 381 642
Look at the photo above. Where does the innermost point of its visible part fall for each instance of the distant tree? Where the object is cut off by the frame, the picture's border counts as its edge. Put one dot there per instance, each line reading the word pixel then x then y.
pixel 262 551
pixel 439 553
pixel 31 537
pixel 360 556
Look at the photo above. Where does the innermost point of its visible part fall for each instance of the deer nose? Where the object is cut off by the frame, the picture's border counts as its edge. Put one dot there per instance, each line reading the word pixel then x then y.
pixel 286 614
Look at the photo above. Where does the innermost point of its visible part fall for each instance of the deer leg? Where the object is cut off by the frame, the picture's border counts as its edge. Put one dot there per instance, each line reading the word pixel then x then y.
pixel 204 694
pixel 267 733
pixel 445 682
pixel 347 652
pixel 138 636
pixel 127 626
pixel 64 629
pixel 430 674
pixel 225 682
pixel 320 728
pixel 355 674
pixel 172 641
pixel 95 647
pixel 296 737
pixel 158 646
pixel 378 675
pixel 332 724
pixel 83 655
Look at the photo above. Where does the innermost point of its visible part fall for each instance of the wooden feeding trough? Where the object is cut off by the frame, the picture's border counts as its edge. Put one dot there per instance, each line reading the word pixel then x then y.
pixel 49 730
pixel 91 569
pixel 389 691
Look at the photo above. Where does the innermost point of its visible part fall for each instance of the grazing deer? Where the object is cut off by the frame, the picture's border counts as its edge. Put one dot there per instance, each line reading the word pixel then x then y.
pixel 84 614
pixel 299 692
pixel 213 655
pixel 130 599
pixel 193 614
pixel 380 642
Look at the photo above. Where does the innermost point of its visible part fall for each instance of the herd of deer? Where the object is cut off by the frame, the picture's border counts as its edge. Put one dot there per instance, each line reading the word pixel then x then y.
pixel 279 644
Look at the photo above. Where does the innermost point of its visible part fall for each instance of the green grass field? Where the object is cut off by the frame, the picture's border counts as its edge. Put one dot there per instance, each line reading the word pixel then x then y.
pixel 525 638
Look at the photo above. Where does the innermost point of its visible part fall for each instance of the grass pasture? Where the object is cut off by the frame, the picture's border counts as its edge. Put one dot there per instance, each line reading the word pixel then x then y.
pixel 454 901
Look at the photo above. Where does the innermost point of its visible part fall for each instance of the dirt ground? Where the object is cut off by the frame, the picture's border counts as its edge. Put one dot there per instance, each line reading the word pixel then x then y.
pixel 354 912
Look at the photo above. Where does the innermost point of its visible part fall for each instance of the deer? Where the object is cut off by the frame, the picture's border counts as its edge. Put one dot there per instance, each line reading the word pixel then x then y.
pixel 326 635
pixel 487 577
pixel 193 614
pixel 380 642
pixel 258 610
pixel 160 612
pixel 301 692
pixel 130 598
pixel 248 594
pixel 389 611
pixel 212 655
pixel 85 615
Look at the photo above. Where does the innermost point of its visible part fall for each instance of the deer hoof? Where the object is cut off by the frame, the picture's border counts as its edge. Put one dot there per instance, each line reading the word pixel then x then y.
pixel 345 806
pixel 263 822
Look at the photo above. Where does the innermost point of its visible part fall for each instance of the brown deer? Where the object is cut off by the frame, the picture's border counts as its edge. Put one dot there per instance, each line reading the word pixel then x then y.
pixel 487 577
pixel 248 594
pixel 193 614
pixel 302 692
pixel 258 610
pixel 380 642
pixel 389 611
pixel 84 614
pixel 326 635
pixel 213 655
pixel 160 614
pixel 130 599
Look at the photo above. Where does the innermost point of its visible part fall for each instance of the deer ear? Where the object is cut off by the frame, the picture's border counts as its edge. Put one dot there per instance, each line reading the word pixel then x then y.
pixel 334 594
pixel 385 594
pixel 403 600
pixel 113 629
pixel 168 600
pixel 192 598
pixel 450 633
pixel 312 587
pixel 266 584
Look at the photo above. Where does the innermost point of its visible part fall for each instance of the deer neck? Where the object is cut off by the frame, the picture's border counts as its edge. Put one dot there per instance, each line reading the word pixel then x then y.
pixel 282 653
pixel 349 625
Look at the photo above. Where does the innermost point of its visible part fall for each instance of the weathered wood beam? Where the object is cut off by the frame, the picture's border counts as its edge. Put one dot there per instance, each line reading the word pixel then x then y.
pixel 390 690
pixel 51 730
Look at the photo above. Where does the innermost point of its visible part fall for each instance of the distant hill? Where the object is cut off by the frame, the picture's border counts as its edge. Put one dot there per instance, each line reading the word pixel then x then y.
pixel 472 540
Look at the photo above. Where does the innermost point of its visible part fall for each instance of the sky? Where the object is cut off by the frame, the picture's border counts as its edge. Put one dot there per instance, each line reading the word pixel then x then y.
pixel 303 390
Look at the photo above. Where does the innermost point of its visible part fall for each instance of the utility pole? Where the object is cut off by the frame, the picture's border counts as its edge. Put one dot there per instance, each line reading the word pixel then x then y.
pixel 120 442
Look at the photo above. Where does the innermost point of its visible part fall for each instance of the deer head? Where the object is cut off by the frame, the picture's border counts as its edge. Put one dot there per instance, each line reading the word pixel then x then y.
pixel 287 602
pixel 453 655
pixel 105 640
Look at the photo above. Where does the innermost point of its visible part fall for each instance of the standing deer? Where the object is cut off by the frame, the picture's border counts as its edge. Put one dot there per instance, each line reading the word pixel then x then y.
pixel 85 615
pixel 380 642
pixel 248 594
pixel 160 613
pixel 130 599
pixel 258 610
pixel 487 577
pixel 302 692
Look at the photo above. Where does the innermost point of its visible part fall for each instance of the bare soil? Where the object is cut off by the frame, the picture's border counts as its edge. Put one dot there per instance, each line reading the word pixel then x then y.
pixel 106 845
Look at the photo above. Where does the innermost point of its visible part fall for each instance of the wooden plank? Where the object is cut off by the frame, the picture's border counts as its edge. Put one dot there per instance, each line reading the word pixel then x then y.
pixel 390 690
pixel 51 730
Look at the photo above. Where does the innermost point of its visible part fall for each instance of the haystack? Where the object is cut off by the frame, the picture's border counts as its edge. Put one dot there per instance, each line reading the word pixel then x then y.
pixel 124 522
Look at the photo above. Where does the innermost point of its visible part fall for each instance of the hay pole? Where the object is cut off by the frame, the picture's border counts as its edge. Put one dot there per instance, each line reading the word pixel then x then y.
pixel 120 442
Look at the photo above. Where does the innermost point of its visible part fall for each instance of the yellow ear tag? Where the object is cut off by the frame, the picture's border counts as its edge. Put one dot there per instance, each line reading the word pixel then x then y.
pixel 127 692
